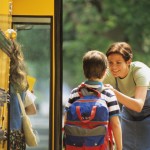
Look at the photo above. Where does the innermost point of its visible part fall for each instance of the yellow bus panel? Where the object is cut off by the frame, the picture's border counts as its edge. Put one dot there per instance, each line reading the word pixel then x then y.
pixel 33 7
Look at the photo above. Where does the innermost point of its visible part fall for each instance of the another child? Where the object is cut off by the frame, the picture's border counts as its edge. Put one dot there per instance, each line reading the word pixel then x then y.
pixel 94 67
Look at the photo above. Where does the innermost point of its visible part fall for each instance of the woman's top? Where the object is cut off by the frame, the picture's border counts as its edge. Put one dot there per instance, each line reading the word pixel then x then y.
pixel 107 95
pixel 29 98
pixel 139 75
pixel 15 111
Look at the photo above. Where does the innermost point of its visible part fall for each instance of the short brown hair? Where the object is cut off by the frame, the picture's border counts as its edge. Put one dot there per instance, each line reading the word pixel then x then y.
pixel 122 48
pixel 94 64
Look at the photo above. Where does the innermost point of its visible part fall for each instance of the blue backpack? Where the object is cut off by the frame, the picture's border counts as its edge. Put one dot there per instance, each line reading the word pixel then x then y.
pixel 86 126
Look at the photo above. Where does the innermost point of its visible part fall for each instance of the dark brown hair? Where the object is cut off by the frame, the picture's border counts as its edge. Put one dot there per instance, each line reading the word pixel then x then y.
pixel 122 48
pixel 94 64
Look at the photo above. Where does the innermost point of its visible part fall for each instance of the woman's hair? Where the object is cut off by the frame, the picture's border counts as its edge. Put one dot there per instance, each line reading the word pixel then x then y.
pixel 122 48
pixel 18 75
pixel 94 64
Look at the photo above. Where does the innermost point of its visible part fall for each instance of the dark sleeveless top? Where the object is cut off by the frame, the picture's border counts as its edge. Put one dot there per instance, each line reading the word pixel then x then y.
pixel 15 111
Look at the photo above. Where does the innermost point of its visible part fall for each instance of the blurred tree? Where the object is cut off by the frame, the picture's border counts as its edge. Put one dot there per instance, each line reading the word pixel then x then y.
pixel 131 20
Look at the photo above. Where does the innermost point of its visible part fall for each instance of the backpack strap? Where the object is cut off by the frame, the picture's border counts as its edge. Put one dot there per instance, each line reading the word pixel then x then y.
pixel 92 115
pixel 83 91
pixel 110 136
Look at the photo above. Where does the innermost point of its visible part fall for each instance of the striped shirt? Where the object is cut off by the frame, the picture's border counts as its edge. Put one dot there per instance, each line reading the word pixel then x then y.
pixel 107 94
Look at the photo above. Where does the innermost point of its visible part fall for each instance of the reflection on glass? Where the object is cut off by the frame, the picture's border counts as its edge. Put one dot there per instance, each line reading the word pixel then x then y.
pixel 35 41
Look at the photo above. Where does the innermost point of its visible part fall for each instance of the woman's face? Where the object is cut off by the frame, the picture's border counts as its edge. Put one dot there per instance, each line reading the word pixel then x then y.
pixel 118 66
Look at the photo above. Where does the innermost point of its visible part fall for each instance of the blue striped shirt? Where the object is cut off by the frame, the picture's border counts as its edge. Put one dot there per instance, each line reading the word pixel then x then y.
pixel 107 94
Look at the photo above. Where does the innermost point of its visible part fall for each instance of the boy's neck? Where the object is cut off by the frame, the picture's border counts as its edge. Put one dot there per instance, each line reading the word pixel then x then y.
pixel 96 79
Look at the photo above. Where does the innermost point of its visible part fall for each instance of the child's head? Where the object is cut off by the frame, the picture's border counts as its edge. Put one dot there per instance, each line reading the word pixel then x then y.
pixel 94 64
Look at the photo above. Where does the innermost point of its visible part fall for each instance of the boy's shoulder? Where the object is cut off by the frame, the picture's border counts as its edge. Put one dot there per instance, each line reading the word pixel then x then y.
pixel 108 92
pixel 75 94
pixel 74 90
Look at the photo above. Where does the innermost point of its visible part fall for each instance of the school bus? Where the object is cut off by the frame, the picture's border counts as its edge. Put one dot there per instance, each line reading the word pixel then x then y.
pixel 18 14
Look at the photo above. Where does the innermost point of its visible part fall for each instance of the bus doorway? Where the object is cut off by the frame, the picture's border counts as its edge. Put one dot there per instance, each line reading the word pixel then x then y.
pixel 35 36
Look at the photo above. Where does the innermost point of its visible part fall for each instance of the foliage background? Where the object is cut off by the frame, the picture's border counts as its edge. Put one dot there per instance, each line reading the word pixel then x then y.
pixel 95 24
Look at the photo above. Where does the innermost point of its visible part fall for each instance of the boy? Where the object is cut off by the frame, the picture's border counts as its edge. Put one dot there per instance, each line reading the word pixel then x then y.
pixel 94 67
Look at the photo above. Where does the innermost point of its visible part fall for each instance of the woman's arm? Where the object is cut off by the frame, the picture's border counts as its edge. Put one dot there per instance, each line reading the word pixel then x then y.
pixel 31 109
pixel 136 103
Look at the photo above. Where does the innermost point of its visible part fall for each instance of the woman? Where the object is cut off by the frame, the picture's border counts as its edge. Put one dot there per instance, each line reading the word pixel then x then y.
pixel 18 83
pixel 131 81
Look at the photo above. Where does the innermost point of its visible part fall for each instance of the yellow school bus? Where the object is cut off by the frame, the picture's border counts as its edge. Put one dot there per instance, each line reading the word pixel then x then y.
pixel 21 15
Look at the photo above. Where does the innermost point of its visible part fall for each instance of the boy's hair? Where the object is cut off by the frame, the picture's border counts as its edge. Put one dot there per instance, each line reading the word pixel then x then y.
pixel 94 64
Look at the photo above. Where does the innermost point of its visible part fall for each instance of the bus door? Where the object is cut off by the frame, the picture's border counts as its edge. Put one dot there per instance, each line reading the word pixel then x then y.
pixel 34 33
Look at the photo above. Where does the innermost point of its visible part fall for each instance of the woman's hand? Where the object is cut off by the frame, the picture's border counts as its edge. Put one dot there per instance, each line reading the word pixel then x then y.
pixel 108 86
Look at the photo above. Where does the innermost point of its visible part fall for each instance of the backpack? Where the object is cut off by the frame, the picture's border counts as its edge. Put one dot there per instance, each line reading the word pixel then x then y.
pixel 86 126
